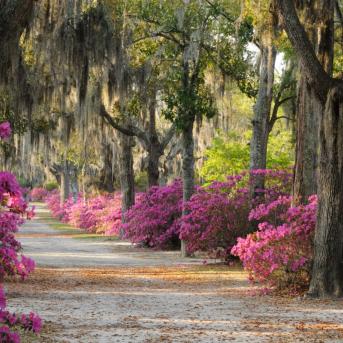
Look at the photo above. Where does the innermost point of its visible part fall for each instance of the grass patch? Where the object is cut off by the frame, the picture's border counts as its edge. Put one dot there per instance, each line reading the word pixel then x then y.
pixel 95 236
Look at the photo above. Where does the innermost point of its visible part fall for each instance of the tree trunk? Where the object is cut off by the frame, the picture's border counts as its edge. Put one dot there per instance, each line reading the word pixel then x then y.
pixel 74 184
pixel 106 177
pixel 326 278
pixel 154 155
pixel 327 272
pixel 127 179
pixel 187 171
pixel 309 110
pixel 65 182
pixel 83 183
pixel 154 149
pixel 319 22
pixel 262 109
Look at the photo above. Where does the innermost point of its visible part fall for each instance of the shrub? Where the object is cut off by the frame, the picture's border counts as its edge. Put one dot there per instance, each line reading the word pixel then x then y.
pixel 110 217
pixel 218 213
pixel 230 154
pixel 280 252
pixel 99 214
pixel 151 220
pixel 12 209
pixel 53 201
pixel 50 186
pixel 38 194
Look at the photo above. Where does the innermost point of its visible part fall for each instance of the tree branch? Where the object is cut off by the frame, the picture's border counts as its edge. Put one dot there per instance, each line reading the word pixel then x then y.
pixel 129 130
pixel 318 78
pixel 274 117
pixel 169 36
pixel 285 117
pixel 168 137
pixel 221 11
pixel 282 101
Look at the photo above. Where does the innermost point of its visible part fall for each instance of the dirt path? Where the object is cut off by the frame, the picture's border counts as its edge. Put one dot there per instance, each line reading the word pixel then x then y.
pixel 60 248
pixel 106 291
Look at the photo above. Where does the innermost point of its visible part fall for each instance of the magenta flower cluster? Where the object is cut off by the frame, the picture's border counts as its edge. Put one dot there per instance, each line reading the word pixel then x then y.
pixel 30 322
pixel 279 253
pixel 152 220
pixel 5 130
pixel 96 214
pixel 38 194
pixel 278 237
pixel 13 209
pixel 218 214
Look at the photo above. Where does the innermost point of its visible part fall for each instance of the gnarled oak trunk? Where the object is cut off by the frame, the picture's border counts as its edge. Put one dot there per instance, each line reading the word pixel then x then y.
pixel 318 21
pixel 326 278
pixel 309 110
pixel 327 272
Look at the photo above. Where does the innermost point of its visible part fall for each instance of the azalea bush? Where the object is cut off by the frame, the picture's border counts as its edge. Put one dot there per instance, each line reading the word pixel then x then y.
pixel 110 217
pixel 151 220
pixel 280 252
pixel 219 213
pixel 13 209
pixel 98 214
pixel 53 201
pixel 38 194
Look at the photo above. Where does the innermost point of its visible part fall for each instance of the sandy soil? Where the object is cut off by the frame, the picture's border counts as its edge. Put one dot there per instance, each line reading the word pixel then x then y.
pixel 106 291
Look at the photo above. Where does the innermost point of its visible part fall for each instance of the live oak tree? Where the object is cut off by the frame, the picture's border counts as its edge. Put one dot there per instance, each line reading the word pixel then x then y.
pixel 118 13
pixel 265 35
pixel 151 140
pixel 318 21
pixel 327 270
pixel 258 24
pixel 185 35
pixel 271 95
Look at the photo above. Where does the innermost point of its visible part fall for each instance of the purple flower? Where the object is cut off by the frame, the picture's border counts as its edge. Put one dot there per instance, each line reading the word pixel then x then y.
pixel 5 130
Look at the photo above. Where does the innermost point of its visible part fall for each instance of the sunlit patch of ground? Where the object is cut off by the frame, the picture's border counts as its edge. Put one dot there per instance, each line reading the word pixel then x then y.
pixel 133 295
pixel 169 304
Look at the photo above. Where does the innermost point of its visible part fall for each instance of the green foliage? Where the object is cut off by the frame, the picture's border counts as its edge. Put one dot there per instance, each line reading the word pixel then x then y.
pixel 231 154
pixel 50 186
pixel 18 123
pixel 23 182
pixel 42 125
pixel 180 41
pixel 76 152
pixel 280 150
pixel 182 106
pixel 228 155
pixel 141 181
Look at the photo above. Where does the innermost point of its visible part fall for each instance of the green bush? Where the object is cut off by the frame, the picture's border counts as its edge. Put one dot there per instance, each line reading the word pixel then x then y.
pixel 230 154
pixel 141 181
pixel 23 182
pixel 50 186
